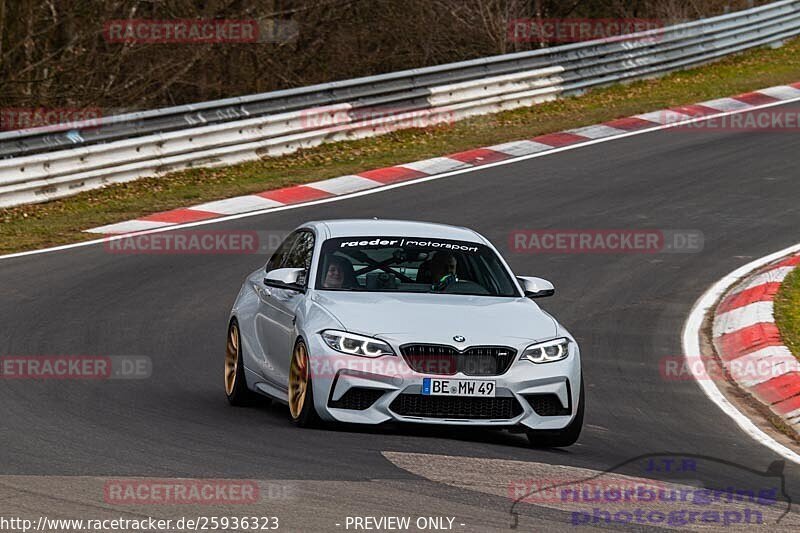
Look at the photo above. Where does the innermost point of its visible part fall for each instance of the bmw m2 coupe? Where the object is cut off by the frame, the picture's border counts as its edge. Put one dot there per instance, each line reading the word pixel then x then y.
pixel 368 321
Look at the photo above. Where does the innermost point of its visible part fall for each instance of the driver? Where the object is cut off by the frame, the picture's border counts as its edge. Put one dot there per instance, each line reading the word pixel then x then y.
pixel 339 275
pixel 443 269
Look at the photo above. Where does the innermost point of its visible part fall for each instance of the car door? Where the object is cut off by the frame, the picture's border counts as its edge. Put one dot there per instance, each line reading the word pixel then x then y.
pixel 266 314
pixel 277 307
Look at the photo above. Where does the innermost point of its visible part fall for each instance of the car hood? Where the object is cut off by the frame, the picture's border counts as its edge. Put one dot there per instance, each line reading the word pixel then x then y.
pixel 437 318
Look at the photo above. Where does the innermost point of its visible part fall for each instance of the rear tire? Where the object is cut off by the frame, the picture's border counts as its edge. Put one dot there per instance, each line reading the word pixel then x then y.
pixel 301 391
pixel 235 383
pixel 560 438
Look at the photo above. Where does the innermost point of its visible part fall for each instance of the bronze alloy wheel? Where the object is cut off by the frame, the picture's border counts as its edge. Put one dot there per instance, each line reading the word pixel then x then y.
pixel 231 358
pixel 298 380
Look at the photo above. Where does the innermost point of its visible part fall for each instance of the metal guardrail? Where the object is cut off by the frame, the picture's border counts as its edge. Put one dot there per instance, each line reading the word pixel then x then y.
pixel 45 163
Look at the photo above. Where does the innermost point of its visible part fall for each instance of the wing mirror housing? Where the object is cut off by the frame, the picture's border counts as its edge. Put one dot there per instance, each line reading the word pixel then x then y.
pixel 536 287
pixel 287 278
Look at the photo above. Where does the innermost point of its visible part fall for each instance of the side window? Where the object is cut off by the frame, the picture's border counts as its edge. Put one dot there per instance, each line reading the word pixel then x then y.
pixel 303 249
pixel 278 259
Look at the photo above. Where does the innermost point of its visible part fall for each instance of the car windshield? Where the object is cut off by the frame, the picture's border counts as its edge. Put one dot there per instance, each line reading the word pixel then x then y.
pixel 408 264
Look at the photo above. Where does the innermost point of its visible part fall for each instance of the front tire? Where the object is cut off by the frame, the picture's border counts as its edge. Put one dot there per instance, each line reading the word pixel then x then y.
pixel 559 438
pixel 235 383
pixel 301 392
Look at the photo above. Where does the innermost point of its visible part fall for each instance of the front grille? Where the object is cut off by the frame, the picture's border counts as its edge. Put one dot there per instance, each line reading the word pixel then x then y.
pixel 456 407
pixel 356 399
pixel 447 361
pixel 547 405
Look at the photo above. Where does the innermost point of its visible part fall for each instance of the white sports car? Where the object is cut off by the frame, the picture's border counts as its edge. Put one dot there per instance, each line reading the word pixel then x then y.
pixel 367 321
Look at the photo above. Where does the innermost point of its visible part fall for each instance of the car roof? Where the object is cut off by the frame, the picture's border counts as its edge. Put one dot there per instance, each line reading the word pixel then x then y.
pixel 368 227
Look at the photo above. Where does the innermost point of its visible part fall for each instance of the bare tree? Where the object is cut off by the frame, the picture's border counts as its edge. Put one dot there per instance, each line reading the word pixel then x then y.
pixel 57 53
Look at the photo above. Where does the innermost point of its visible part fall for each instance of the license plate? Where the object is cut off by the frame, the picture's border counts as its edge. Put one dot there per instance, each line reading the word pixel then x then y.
pixel 457 387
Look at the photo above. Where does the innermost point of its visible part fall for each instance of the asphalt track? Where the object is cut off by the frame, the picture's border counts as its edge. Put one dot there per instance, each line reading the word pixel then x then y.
pixel 740 189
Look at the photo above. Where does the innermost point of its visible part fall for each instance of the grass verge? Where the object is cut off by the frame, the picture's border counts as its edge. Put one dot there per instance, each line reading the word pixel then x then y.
pixel 787 311
pixel 62 221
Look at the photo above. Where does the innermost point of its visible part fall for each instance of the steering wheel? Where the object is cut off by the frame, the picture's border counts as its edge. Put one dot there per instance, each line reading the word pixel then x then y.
pixel 463 286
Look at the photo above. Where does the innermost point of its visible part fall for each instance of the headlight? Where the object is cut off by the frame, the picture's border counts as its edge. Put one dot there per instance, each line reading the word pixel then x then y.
pixel 547 352
pixel 353 344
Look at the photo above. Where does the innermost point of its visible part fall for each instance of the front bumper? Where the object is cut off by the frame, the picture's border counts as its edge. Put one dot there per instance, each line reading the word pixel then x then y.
pixel 387 378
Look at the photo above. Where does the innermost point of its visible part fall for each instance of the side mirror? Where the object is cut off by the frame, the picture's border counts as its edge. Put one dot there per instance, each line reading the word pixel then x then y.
pixel 286 278
pixel 536 287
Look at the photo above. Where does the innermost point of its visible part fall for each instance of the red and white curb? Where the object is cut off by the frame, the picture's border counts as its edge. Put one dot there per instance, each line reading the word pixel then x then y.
pixel 749 344
pixel 382 177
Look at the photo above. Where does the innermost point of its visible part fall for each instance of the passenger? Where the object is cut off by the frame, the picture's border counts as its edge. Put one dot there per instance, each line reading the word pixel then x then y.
pixel 340 274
